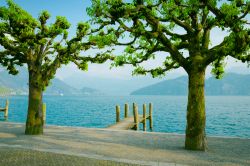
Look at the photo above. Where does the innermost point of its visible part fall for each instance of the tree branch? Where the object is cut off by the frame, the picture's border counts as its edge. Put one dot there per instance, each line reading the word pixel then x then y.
pixel 157 71
pixel 184 25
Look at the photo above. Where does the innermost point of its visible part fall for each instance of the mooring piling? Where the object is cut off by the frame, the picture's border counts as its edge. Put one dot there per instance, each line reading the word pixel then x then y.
pixel 134 105
pixel 151 116
pixel 144 117
pixel 136 118
pixel 44 113
pixel 126 110
pixel 117 113
pixel 6 113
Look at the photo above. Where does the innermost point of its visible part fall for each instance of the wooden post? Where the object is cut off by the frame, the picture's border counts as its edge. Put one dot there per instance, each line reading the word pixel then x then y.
pixel 6 112
pixel 126 110
pixel 136 118
pixel 134 105
pixel 151 115
pixel 117 113
pixel 44 113
pixel 144 117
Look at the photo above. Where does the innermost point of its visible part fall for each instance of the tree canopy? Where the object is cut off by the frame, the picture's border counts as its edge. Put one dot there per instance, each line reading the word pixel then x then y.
pixel 31 41
pixel 43 46
pixel 173 26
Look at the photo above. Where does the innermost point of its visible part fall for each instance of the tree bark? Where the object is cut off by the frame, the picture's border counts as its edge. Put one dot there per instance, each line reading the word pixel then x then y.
pixel 34 122
pixel 196 116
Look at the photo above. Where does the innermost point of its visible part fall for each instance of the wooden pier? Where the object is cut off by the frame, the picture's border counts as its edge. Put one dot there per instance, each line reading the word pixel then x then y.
pixel 133 122
pixel 6 109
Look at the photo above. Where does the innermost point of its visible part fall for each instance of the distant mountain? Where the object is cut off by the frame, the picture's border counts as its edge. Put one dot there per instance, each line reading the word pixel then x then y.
pixel 19 81
pixel 90 91
pixel 58 87
pixel 230 84
pixel 18 84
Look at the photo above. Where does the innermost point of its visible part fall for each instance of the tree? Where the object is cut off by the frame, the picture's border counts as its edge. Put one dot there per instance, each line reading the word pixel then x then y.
pixel 173 27
pixel 43 48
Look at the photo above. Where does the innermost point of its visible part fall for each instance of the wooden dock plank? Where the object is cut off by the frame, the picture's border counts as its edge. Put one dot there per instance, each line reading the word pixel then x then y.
pixel 2 109
pixel 6 109
pixel 126 124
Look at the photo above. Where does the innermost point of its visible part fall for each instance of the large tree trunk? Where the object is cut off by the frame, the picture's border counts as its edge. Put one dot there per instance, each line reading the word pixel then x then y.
pixel 196 116
pixel 34 122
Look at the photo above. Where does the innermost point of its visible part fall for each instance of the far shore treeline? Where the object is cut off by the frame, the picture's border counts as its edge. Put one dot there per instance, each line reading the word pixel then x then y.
pixel 143 29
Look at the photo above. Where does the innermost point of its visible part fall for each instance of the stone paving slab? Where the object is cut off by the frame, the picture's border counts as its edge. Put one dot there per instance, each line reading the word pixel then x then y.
pixel 26 157
pixel 144 148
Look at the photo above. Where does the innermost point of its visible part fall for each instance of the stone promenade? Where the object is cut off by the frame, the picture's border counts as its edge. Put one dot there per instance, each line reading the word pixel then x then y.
pixel 85 146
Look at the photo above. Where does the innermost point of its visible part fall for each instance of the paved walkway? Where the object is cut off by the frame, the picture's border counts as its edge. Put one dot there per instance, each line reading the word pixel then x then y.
pixel 117 147
pixel 25 157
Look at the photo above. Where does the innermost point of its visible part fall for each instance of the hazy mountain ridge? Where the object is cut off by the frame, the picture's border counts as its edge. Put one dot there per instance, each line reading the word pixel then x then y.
pixel 18 85
pixel 111 86
pixel 230 84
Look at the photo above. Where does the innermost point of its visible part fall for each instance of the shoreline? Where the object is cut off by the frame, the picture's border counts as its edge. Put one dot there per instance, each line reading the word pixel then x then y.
pixel 131 147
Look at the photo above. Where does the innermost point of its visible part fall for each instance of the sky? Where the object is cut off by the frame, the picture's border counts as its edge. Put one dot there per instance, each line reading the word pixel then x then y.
pixel 75 11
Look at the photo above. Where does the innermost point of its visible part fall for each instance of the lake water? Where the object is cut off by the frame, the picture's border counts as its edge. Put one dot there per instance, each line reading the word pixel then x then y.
pixel 226 115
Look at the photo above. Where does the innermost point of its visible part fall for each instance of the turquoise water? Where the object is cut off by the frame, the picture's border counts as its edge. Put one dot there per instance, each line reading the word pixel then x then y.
pixel 226 115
